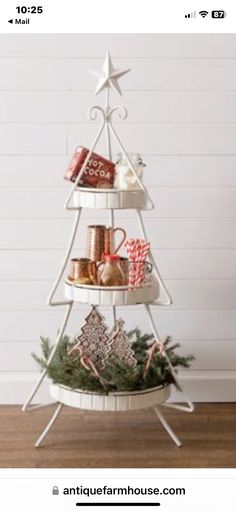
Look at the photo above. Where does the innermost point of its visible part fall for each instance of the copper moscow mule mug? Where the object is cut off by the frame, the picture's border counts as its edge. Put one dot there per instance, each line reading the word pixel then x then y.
pixel 83 270
pixel 101 239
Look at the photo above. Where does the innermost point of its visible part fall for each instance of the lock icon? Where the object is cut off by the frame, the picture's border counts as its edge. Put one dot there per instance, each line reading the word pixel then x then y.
pixel 55 490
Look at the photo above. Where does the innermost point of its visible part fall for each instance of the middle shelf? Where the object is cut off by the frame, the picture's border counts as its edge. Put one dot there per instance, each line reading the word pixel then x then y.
pixel 120 295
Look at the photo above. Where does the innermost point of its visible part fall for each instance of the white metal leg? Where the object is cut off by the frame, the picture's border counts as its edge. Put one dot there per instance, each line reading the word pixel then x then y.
pixel 167 427
pixel 49 426
pixel 190 406
pixel 114 314
pixel 109 149
pixel 34 408
pixel 66 316
pixel 44 372
pixel 60 273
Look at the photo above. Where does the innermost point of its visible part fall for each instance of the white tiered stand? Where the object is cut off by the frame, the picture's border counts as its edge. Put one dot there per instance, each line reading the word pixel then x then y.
pixel 148 295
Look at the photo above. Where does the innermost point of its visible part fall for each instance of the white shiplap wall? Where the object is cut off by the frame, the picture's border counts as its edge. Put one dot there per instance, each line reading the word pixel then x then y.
pixel 181 96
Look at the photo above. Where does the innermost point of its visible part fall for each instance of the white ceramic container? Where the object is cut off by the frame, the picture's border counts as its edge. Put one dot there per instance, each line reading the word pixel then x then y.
pixel 115 402
pixel 109 199
pixel 99 295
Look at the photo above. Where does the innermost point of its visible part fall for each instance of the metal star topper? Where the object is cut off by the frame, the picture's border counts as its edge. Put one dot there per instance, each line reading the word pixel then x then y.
pixel 109 76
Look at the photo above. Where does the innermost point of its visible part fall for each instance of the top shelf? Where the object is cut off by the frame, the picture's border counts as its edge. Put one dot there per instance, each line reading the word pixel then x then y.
pixel 109 199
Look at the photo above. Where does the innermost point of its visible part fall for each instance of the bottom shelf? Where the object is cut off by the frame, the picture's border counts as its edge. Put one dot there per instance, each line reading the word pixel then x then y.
pixel 115 402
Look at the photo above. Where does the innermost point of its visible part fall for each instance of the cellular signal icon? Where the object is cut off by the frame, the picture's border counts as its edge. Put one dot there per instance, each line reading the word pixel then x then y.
pixel 203 14
pixel 190 15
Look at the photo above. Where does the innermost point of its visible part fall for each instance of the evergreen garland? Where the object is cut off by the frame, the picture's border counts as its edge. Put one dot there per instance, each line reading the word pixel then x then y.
pixel 119 377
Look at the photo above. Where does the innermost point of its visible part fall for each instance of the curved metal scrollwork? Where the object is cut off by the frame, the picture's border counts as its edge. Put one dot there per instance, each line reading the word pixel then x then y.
pixel 121 110
pixel 94 111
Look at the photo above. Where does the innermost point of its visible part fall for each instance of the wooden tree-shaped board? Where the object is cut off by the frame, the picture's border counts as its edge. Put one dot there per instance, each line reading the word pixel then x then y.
pixel 120 347
pixel 94 341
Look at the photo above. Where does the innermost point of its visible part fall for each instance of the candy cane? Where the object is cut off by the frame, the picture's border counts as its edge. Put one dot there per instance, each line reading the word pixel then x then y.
pixel 89 365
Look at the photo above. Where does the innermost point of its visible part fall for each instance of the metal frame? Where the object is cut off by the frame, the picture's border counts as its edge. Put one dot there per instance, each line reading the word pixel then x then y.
pixel 107 115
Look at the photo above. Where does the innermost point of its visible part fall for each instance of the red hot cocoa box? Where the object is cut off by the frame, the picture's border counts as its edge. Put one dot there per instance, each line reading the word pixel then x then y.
pixel 98 173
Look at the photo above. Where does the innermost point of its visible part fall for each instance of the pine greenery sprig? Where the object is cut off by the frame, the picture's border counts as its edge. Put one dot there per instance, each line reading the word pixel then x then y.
pixel 69 371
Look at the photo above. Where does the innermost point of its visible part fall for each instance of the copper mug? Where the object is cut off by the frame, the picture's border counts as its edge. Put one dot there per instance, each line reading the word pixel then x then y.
pixel 83 271
pixel 101 239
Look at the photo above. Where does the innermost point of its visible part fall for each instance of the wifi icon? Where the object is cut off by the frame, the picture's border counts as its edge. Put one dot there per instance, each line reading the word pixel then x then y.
pixel 203 14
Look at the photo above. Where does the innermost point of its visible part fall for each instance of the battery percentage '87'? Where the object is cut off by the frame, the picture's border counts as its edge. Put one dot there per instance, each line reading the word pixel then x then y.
pixel 218 14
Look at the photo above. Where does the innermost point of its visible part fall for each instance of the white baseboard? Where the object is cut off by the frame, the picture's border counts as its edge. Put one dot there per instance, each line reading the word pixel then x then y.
pixel 200 386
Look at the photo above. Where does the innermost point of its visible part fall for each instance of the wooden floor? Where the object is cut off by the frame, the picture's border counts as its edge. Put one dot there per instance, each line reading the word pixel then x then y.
pixel 134 439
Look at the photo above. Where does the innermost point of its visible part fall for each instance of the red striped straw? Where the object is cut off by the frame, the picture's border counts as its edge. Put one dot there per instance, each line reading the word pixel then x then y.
pixel 130 246
pixel 141 257
pixel 137 250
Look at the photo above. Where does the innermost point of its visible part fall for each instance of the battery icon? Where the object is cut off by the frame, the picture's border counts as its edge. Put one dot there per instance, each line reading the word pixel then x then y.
pixel 218 14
